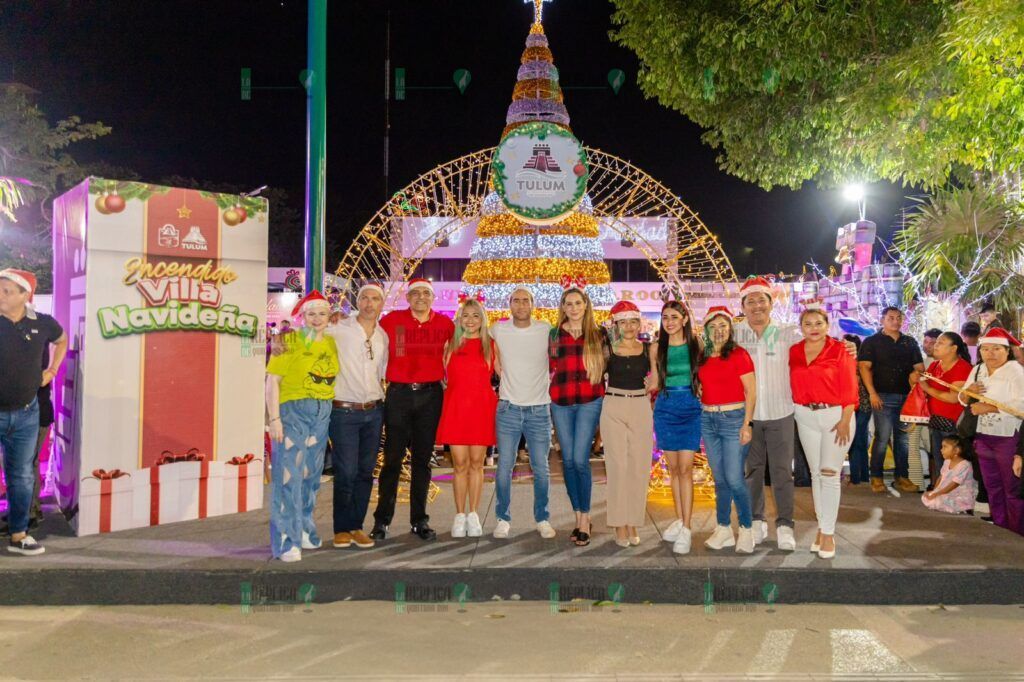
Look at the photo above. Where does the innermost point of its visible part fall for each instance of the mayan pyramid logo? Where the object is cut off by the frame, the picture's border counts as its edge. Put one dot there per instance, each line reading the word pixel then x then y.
pixel 543 162
pixel 194 241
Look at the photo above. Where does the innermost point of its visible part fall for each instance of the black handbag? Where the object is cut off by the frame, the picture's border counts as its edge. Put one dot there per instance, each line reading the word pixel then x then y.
pixel 967 424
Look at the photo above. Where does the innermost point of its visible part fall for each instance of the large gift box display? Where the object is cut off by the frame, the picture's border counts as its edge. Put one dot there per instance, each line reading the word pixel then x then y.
pixel 162 292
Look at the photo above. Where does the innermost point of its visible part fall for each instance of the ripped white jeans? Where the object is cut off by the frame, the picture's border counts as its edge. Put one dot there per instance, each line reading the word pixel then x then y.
pixel 823 454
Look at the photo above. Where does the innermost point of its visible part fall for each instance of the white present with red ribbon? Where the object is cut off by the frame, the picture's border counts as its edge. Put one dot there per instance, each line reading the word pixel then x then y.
pixel 243 484
pixel 105 502
pixel 178 488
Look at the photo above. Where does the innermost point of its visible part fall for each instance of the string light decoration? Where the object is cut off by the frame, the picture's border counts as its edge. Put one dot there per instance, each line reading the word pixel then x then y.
pixel 660 485
pixel 404 480
pixel 508 252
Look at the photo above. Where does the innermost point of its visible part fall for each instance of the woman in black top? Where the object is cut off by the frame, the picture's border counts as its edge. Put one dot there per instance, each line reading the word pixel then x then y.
pixel 627 426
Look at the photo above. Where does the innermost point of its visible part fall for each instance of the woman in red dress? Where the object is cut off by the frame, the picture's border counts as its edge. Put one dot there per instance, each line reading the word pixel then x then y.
pixel 468 412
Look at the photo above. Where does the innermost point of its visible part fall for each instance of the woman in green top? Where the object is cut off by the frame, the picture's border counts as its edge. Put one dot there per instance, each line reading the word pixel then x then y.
pixel 677 413
pixel 300 391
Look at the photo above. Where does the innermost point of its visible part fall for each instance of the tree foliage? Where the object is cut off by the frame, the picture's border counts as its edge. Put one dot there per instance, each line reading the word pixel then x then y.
pixel 966 242
pixel 912 91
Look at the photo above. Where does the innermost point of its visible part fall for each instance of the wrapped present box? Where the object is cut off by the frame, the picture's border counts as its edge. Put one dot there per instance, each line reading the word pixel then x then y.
pixel 243 484
pixel 105 502
pixel 178 489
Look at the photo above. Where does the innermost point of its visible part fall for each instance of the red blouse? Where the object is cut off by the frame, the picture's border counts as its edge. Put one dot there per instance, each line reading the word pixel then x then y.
pixel 720 382
pixel 958 372
pixel 830 379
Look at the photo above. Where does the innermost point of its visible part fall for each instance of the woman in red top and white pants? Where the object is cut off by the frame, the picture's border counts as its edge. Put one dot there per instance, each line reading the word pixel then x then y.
pixel 823 375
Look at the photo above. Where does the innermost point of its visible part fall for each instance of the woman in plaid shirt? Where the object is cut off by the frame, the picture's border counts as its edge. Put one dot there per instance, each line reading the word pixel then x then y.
pixel 577 390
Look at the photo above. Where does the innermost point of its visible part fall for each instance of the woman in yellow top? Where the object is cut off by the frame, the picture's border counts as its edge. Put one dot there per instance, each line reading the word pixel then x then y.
pixel 300 388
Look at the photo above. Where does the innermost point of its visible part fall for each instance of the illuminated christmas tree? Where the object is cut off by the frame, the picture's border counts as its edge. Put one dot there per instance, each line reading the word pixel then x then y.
pixel 544 247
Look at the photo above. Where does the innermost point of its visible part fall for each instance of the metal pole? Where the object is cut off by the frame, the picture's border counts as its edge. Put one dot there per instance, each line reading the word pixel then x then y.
pixel 316 142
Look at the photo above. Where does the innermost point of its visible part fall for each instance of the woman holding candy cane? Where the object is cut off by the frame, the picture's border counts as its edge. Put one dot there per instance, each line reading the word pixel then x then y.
pixel 300 388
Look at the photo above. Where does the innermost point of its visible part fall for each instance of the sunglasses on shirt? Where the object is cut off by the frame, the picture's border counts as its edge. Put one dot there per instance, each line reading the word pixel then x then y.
pixel 321 380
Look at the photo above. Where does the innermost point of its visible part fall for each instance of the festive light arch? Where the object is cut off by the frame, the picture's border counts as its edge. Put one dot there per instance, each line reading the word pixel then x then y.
pixel 456 190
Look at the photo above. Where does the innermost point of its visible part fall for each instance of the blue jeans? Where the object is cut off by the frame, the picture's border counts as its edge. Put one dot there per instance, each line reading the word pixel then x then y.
pixel 859 449
pixel 576 425
pixel 533 422
pixel 297 465
pixel 19 430
pixel 355 442
pixel 887 425
pixel 727 458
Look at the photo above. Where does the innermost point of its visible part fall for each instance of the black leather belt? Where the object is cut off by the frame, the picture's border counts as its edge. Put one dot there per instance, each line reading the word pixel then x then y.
pixel 819 406
pixel 417 387
pixel 361 407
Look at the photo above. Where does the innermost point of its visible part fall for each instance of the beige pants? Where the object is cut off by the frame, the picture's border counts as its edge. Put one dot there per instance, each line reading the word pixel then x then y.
pixel 627 427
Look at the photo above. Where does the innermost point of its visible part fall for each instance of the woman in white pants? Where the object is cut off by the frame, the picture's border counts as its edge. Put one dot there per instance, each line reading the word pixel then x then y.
pixel 823 376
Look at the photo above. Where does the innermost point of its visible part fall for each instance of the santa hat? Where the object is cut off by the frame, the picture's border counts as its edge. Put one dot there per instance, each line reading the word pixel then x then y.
pixel 313 299
pixel 370 285
pixel 625 310
pixel 756 285
pixel 420 283
pixel 998 337
pixel 23 278
pixel 716 311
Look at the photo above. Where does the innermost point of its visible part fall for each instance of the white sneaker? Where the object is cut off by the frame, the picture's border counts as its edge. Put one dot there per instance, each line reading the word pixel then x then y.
pixel 474 529
pixel 745 542
pixel 671 533
pixel 787 543
pixel 682 542
pixel 760 529
pixel 293 554
pixel 722 537
pixel 545 530
pixel 308 544
pixel 459 526
pixel 502 529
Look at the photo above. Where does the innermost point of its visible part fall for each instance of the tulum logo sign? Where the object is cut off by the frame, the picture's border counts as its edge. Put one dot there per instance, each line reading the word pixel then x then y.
pixel 540 172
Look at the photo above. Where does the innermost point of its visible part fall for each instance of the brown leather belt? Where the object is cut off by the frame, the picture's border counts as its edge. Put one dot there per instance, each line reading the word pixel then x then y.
pixel 362 407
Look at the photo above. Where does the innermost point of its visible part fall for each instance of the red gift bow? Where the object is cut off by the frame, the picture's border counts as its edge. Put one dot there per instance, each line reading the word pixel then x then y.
pixel 243 475
pixel 193 455
pixel 106 479
pixel 104 475
pixel 569 282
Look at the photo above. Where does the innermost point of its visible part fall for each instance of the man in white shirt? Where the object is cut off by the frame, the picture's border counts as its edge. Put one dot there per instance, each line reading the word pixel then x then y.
pixel 774 431
pixel 358 415
pixel 524 408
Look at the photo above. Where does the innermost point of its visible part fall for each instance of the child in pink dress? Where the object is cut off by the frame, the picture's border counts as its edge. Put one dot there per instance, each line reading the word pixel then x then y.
pixel 956 489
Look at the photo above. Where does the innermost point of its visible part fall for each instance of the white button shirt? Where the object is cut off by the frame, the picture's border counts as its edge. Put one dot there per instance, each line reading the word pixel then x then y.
pixel 359 379
pixel 770 354
pixel 1005 385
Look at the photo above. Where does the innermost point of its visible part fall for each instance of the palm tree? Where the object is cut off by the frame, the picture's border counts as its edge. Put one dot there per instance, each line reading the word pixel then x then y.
pixel 967 243
pixel 12 196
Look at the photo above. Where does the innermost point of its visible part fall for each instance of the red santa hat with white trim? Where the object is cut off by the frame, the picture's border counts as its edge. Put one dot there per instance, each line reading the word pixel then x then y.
pixel 756 285
pixel 370 285
pixel 718 311
pixel 311 301
pixel 23 278
pixel 420 283
pixel 625 310
pixel 998 336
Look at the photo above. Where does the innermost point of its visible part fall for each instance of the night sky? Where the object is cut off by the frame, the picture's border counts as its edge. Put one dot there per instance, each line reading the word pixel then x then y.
pixel 165 75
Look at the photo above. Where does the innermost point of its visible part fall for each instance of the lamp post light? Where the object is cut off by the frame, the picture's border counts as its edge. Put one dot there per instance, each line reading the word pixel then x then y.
pixel 856 193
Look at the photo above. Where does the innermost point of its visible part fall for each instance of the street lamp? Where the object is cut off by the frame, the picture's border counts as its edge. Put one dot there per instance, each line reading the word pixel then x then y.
pixel 856 193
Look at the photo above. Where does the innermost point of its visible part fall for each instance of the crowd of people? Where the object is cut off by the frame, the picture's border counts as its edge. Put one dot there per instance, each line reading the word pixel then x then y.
pixel 747 389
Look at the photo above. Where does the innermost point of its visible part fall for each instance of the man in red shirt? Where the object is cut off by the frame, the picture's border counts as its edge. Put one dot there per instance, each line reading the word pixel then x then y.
pixel 412 404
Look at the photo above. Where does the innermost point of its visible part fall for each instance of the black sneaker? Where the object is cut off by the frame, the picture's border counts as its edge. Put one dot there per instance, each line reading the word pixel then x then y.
pixel 379 532
pixel 27 546
pixel 986 519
